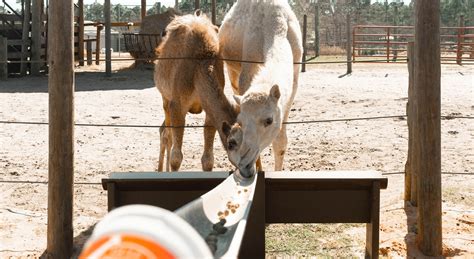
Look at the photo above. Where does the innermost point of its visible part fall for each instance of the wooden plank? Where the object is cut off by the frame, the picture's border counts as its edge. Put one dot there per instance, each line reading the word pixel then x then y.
pixel 428 125
pixel 61 129
pixel 315 205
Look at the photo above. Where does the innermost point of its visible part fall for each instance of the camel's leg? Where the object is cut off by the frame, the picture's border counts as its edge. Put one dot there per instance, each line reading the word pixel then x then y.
pixel 177 120
pixel 279 148
pixel 162 146
pixel 165 147
pixel 207 159
pixel 168 137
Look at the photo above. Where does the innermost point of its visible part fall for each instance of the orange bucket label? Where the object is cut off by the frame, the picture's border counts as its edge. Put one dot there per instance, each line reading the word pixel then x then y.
pixel 123 246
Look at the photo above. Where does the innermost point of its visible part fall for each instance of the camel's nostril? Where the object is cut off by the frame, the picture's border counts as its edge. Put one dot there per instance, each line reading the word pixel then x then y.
pixel 248 166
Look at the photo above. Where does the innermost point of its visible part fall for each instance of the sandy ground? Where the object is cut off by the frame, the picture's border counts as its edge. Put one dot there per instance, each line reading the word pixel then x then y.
pixel 128 97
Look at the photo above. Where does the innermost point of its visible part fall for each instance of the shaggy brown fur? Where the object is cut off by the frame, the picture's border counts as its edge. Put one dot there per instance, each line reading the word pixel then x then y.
pixel 191 83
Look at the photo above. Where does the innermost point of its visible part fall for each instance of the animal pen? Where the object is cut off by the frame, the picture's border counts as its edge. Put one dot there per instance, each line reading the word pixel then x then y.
pixel 272 203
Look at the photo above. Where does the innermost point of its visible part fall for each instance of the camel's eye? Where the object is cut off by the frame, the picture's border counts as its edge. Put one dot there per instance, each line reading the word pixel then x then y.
pixel 267 122
pixel 232 144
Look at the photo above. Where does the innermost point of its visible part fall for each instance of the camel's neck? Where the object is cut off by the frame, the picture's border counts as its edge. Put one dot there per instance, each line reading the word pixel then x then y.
pixel 213 100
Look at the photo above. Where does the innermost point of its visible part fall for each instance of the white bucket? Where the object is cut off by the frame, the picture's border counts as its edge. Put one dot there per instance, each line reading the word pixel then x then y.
pixel 143 231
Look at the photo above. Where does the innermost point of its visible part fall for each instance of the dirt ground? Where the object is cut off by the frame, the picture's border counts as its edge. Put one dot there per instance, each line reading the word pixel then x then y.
pixel 129 98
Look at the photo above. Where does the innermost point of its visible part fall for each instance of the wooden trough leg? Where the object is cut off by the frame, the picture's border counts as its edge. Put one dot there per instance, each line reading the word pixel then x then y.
pixel 253 244
pixel 112 196
pixel 372 234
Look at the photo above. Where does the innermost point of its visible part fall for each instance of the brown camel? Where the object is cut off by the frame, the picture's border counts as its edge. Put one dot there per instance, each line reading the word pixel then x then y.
pixel 192 84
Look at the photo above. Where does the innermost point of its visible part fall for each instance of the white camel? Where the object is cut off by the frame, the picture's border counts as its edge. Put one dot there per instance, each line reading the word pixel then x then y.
pixel 268 31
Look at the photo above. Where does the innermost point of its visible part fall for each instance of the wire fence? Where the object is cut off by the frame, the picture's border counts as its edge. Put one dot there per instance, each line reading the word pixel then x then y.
pixel 221 59
pixel 449 117
pixel 99 183
pixel 446 117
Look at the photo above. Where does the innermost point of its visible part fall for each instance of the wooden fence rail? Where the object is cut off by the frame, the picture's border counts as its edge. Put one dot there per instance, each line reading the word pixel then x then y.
pixel 390 42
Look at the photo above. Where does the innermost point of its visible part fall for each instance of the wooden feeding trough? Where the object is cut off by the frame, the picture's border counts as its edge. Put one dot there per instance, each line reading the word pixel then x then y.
pixel 280 197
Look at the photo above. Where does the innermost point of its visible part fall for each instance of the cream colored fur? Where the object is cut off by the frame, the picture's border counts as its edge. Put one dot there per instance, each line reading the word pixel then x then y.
pixel 268 31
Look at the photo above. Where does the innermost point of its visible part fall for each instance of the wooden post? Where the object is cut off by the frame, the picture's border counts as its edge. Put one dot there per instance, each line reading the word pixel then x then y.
pixel 25 37
pixel 158 8
pixel 348 44
pixel 410 173
pixel 3 58
pixel 427 125
pixel 80 4
pixel 97 44
pixel 303 57
pixel 108 53
pixel 459 50
pixel 196 4
pixel 316 30
pixel 176 5
pixel 143 11
pixel 89 52
pixel 213 11
pixel 61 129
pixel 388 44
pixel 36 24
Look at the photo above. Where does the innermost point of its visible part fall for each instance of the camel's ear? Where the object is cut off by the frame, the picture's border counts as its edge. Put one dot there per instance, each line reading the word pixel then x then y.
pixel 238 99
pixel 226 128
pixel 198 12
pixel 275 92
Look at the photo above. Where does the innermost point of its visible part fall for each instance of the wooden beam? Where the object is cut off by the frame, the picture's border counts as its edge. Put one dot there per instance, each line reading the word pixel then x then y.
pixel 36 25
pixel 428 125
pixel 61 129
pixel 348 44
pixel 108 45
pixel 213 11
pixel 410 168
pixel 143 9
pixel 316 30
pixel 196 4
pixel 97 44
pixel 25 36
pixel 80 4
pixel 303 57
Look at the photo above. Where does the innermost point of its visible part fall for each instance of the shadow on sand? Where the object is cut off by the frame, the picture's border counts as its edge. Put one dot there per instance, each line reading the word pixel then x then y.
pixel 78 243
pixel 123 79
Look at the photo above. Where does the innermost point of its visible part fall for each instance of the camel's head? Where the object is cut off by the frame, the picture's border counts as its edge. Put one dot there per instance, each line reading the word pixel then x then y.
pixel 258 123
